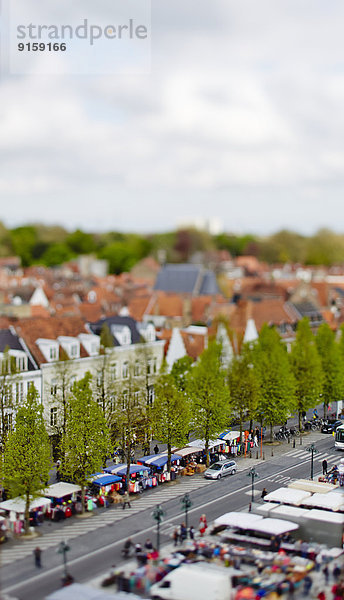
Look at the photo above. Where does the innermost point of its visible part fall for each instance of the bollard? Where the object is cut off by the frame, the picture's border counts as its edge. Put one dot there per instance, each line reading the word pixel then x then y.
pixel 250 454
pixel 249 507
pixel 257 455
pixel 288 440
pixel 272 452
pixel 300 439
pixel 263 455
pixel 294 443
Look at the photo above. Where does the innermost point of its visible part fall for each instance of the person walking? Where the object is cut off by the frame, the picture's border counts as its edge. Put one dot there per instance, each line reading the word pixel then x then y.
pixel 191 532
pixel 202 525
pixel 37 555
pixel 183 532
pixel 264 493
pixel 324 466
pixel 176 536
pixel 156 449
pixel 125 500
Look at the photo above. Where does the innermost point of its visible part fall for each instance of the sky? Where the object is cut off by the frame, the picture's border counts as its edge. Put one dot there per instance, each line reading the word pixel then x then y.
pixel 240 117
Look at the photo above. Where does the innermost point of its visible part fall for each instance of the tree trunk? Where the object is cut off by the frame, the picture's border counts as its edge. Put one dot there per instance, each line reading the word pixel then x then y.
pixel 27 513
pixel 325 409
pixel 206 450
pixel 169 457
pixel 82 499
pixel 128 457
pixel 271 433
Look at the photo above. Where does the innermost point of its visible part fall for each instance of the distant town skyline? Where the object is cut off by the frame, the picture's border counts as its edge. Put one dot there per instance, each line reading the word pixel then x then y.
pixel 240 118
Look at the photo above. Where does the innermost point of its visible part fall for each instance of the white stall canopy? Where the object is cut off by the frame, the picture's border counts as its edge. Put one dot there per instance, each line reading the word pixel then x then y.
pixel 287 496
pixel 188 450
pixel 200 444
pixel 237 519
pixel 312 486
pixel 18 504
pixel 273 526
pixel 61 489
pixel 329 501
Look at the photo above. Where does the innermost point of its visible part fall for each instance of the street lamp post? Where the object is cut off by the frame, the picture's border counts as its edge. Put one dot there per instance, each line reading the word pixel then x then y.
pixel 253 474
pixel 63 549
pixel 186 504
pixel 313 451
pixel 158 515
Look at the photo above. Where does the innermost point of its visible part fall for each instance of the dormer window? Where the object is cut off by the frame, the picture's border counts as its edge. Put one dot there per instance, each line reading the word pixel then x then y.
pixel 122 334
pixel 70 345
pixel 49 349
pixel 90 342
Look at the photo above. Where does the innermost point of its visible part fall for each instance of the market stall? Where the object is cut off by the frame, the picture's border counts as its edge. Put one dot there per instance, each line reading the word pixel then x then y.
pixel 330 501
pixel 15 508
pixel 158 464
pixel 312 486
pixel 63 498
pixel 140 476
pixel 287 496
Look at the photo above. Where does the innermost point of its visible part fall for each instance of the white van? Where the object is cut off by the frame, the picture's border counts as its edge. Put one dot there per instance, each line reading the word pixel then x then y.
pixel 197 581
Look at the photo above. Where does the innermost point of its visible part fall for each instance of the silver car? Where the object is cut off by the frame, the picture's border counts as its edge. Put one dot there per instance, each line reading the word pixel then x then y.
pixel 221 469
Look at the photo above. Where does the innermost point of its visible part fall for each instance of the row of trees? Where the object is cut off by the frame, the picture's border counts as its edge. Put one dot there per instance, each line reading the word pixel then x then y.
pixel 264 384
pixel 53 245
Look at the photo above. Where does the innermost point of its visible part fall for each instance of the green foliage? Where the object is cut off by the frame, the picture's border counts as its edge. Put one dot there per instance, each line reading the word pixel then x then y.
pixel 120 255
pixel 283 246
pixel 27 453
pixel 332 366
pixel 86 442
pixel 236 245
pixel 170 415
pixel 80 242
pixel 106 338
pixel 210 396
pixel 56 255
pixel 23 240
pixel 180 370
pixel 244 385
pixel 277 384
pixel 306 367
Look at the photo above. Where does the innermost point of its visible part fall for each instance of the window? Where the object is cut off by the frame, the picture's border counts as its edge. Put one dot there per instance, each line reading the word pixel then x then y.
pixel 155 365
pixel 113 371
pixel 151 395
pixel 137 369
pixel 53 417
pixel 19 391
pixel 125 370
pixel 30 385
pixel 136 398
pixel 99 378
pixel 149 367
pixel 53 387
pixel 52 353
pixel 8 422
pixel 74 351
pixel 125 399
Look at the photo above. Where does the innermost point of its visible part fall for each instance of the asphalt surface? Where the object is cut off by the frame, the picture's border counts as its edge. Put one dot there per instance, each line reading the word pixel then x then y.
pixel 97 551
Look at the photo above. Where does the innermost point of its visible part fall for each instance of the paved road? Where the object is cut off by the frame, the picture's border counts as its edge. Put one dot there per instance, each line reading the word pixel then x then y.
pixel 96 542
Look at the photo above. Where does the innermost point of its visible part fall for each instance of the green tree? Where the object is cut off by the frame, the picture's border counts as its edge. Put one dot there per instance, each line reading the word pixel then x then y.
pixel 306 367
pixel 332 366
pixel 106 337
pixel 180 370
pixel 56 254
pixel 23 241
pixel 210 395
pixel 87 440
pixel 8 376
pixel 26 461
pixel 170 415
pixel 244 386
pixel 277 384
pixel 81 242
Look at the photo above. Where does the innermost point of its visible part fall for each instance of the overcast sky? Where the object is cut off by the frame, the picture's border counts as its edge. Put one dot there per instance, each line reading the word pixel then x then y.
pixel 240 118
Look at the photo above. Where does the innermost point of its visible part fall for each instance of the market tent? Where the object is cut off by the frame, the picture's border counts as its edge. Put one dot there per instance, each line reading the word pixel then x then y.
pixel 327 517
pixel 237 519
pixel 121 469
pixel 78 591
pixel 329 501
pixel 143 459
pixel 273 526
pixel 104 479
pixel 160 460
pixel 188 450
pixel 264 509
pixel 287 496
pixel 229 435
pixel 18 504
pixel 312 486
pixel 61 489
pixel 201 443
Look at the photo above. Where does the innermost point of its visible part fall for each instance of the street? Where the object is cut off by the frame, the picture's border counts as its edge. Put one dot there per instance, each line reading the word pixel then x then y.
pixel 94 552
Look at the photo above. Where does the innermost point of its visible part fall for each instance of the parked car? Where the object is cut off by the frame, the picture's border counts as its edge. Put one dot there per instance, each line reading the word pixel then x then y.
pixel 221 469
pixel 331 425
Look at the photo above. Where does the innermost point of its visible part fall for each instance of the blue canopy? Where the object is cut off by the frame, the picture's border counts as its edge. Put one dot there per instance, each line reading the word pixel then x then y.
pixel 121 469
pixel 161 459
pixel 144 459
pixel 106 480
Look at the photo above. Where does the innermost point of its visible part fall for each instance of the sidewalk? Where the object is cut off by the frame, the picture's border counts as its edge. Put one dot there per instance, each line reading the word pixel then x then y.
pixel 51 534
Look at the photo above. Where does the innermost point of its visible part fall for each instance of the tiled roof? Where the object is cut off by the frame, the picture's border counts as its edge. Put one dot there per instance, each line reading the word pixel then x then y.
pixel 186 279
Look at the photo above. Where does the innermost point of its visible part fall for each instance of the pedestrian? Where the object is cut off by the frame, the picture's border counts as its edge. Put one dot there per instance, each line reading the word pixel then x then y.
pixel 125 500
pixel 326 574
pixel 255 441
pixel 202 525
pixel 156 449
pixel 321 596
pixel 324 466
pixel 192 532
pixel 176 536
pixel 336 572
pixel 37 555
pixel 183 532
pixel 149 545
pixel 307 584
pixel 264 493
